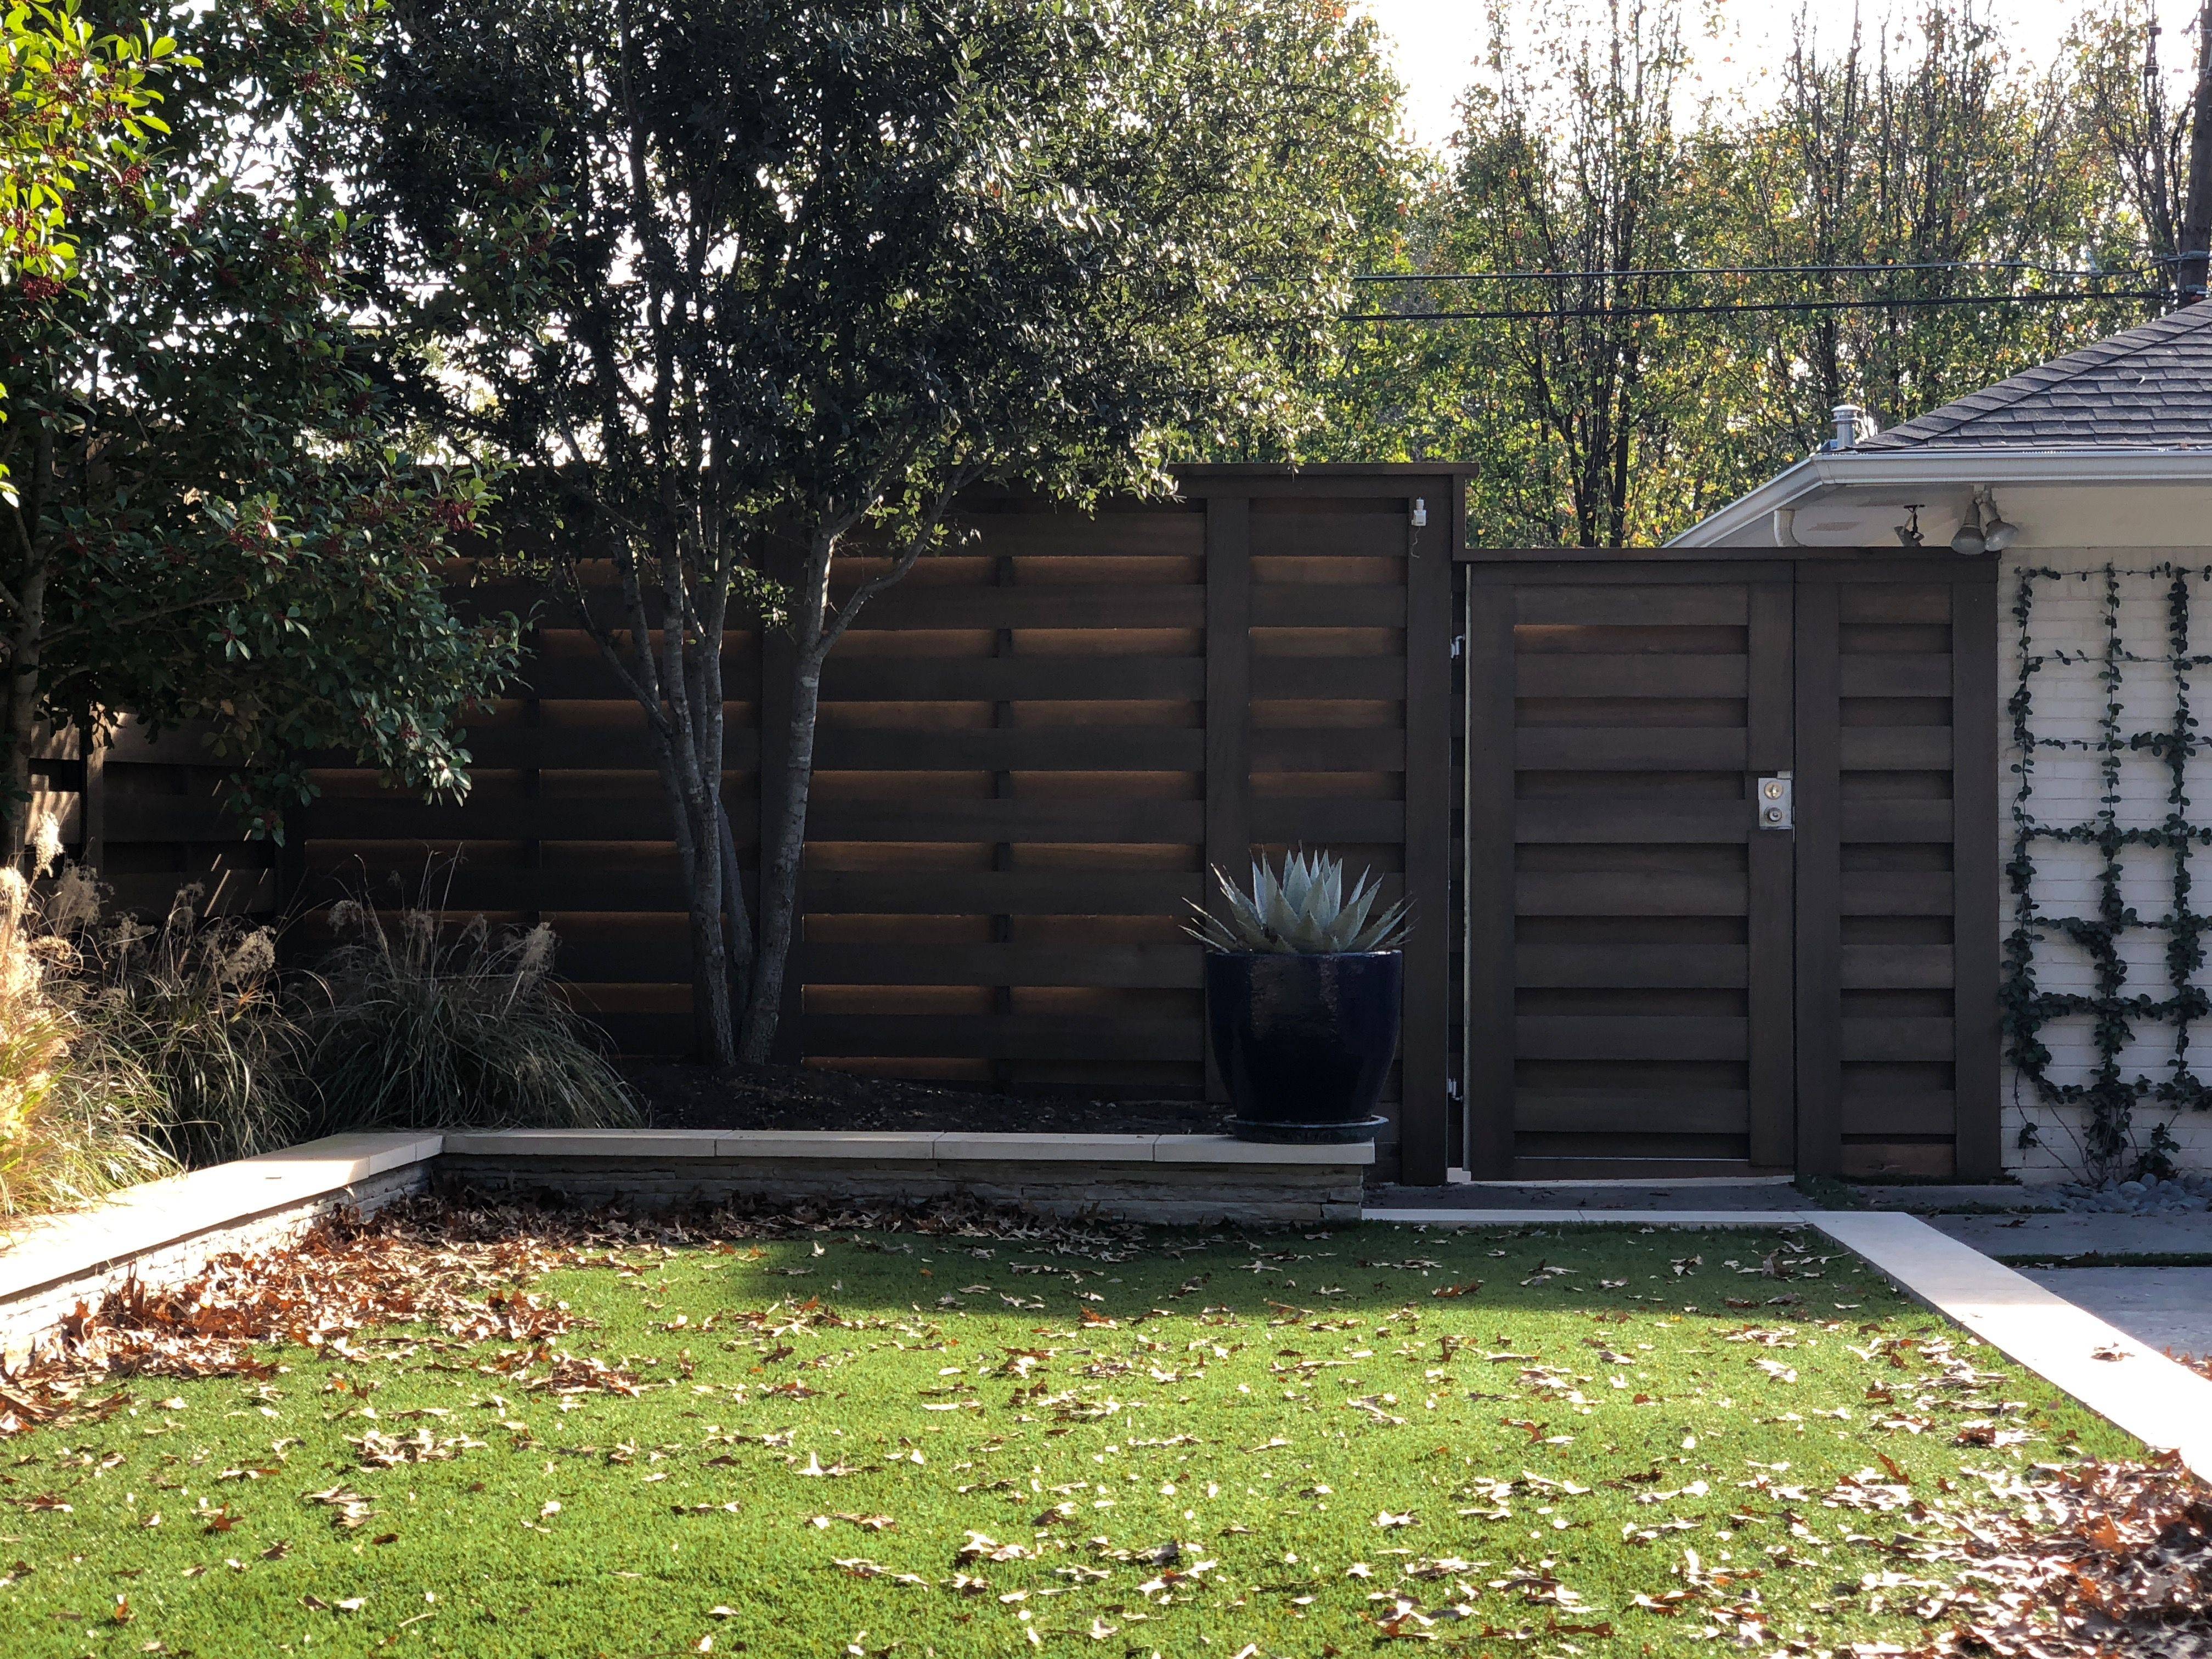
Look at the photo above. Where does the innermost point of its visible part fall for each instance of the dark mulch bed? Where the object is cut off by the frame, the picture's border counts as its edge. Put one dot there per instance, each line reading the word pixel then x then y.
pixel 680 1096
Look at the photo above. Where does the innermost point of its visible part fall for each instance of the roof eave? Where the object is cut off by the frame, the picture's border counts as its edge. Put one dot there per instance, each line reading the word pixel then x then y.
pixel 1956 464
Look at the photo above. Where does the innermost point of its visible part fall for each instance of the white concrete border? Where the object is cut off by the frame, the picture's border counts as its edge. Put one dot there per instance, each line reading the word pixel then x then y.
pixel 164 1231
pixel 159 1214
pixel 2162 1403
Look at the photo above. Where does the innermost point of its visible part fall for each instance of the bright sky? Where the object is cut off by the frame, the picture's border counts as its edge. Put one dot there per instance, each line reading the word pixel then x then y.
pixel 1438 40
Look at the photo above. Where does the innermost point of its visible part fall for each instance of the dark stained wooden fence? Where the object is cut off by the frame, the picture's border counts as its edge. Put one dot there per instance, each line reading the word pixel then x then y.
pixel 1030 752
pixel 1656 983
pixel 1032 749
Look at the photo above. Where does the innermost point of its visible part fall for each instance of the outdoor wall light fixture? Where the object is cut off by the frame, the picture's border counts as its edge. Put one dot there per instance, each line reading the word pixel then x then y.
pixel 1983 531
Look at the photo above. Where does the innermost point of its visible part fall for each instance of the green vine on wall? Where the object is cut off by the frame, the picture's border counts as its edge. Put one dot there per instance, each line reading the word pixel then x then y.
pixel 2114 1009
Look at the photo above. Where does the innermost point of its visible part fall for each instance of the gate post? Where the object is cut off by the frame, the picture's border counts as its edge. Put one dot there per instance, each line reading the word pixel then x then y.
pixel 1488 883
pixel 1228 716
pixel 1425 1064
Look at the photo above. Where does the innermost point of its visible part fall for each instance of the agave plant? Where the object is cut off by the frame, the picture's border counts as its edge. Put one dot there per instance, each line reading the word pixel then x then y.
pixel 1304 911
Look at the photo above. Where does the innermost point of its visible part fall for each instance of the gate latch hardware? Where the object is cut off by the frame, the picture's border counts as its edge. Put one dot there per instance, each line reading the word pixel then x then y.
pixel 1776 803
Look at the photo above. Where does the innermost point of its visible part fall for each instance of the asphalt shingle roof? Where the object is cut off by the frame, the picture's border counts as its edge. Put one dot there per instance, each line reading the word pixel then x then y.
pixel 2149 387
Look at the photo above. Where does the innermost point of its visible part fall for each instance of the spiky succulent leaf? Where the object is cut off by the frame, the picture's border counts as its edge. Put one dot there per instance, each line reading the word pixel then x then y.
pixel 1389 932
pixel 1301 908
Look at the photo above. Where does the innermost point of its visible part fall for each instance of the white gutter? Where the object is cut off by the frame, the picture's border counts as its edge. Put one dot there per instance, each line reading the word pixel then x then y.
pixel 1895 468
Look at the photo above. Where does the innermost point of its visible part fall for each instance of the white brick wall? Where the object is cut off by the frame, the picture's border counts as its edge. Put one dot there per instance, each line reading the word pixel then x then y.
pixel 2067 619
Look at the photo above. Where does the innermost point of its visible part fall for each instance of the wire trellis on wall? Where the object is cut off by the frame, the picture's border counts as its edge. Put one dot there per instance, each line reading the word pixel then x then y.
pixel 2116 1010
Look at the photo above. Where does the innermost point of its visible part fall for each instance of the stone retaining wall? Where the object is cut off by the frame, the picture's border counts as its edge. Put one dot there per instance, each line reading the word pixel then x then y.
pixel 32 1315
pixel 1169 1194
pixel 162 1233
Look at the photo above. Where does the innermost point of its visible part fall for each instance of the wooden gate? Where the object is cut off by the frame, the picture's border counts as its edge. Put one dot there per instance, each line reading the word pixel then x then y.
pixel 1658 983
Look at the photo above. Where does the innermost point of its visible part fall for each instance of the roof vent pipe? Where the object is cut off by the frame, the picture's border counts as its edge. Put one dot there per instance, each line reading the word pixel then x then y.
pixel 1850 419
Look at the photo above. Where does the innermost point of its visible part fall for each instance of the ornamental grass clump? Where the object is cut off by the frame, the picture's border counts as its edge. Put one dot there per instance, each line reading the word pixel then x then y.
pixel 75 1106
pixel 425 1027
pixel 199 1002
pixel 1304 911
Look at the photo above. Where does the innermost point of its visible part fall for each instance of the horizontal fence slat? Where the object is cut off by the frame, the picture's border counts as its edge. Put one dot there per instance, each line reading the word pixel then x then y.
pixel 1000 1036
pixel 665 959
pixel 1328 535
pixel 1901 1112
pixel 1366 679
pixel 1003 892
pixel 131 817
pixel 1630 967
pixel 641 817
pixel 580 748
pixel 222 892
pixel 1273 820
pixel 1089 605
pixel 1177 966
pixel 1578 674
pixel 1896 967
pixel 1036 749
pixel 1898 1037
pixel 1925 674
pixel 1582 893
pixel 1895 893
pixel 1632 1111
pixel 923 680
pixel 1878 821
pixel 1629 1037
pixel 1013 819
pixel 1125 531
pixel 1327 749
pixel 1631 607
pixel 1001 749
pixel 1333 604
pixel 1011 679
pixel 1612 820
pixel 1896 748
pixel 1635 748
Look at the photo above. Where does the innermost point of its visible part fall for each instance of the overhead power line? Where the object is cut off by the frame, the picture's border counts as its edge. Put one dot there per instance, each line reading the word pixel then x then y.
pixel 1640 274
pixel 1543 313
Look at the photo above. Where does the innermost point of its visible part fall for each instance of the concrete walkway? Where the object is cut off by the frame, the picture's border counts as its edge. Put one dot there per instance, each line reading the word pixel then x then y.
pixel 2039 1237
pixel 2169 1309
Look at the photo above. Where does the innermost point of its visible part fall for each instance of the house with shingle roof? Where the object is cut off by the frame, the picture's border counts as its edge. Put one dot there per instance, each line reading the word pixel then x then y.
pixel 2088 479
pixel 2107 446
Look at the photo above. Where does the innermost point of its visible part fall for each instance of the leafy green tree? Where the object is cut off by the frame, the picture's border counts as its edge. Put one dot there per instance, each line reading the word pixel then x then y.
pixel 1890 179
pixel 2132 129
pixel 72 102
pixel 213 524
pixel 1571 159
pixel 1942 171
pixel 757 291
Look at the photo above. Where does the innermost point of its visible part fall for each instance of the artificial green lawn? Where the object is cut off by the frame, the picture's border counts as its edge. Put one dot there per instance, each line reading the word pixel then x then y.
pixel 1303 1411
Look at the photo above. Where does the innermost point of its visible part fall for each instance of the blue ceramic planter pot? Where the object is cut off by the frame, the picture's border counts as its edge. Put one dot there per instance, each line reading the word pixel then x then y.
pixel 1304 1044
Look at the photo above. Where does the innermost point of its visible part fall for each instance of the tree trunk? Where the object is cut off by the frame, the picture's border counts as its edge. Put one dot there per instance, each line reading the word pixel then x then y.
pixel 2197 219
pixel 22 712
pixel 19 717
pixel 695 816
pixel 710 990
pixel 780 861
